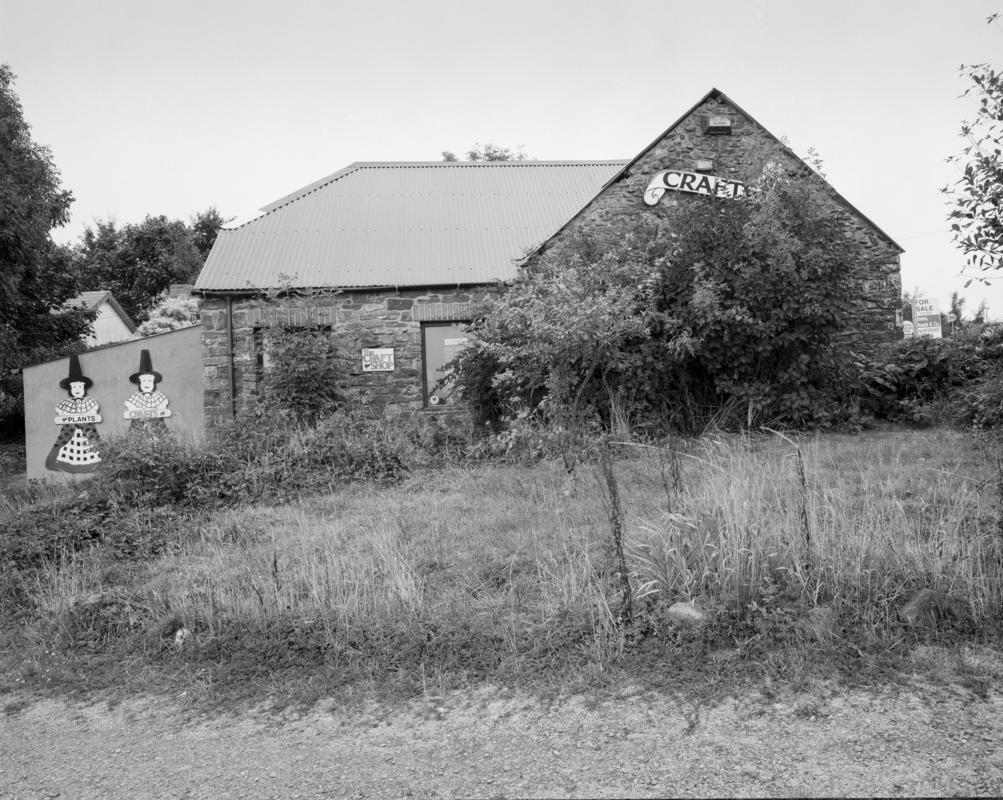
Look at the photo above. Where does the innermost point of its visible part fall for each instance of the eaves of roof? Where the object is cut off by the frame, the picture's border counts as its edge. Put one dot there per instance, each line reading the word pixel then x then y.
pixel 121 312
pixel 94 300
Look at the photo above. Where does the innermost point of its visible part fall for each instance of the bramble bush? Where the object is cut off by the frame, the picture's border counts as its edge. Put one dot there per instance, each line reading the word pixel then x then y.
pixel 982 398
pixel 725 312
pixel 927 381
pixel 917 382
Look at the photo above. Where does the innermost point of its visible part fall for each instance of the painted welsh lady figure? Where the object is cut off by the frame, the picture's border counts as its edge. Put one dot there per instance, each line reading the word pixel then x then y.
pixel 147 407
pixel 76 448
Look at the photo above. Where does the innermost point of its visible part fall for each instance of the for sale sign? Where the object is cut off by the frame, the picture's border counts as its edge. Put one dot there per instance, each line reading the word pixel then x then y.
pixel 926 318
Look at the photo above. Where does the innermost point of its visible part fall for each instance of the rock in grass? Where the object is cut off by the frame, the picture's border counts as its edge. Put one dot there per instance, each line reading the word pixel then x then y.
pixel 181 637
pixel 927 607
pixel 687 614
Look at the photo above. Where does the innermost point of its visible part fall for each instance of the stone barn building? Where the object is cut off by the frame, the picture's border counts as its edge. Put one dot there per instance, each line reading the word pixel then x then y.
pixel 392 257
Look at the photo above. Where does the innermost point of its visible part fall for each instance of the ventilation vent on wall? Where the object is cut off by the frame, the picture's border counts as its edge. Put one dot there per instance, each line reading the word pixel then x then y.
pixel 717 126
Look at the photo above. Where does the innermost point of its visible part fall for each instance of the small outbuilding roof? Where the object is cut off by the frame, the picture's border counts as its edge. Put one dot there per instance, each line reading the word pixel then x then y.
pixel 379 224
pixel 94 300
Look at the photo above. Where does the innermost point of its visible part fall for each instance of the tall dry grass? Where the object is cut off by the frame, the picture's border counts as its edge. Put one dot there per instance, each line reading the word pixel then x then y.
pixel 493 567
pixel 860 522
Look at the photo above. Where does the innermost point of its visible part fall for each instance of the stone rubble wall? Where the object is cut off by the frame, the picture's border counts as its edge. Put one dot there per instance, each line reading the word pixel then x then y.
pixel 357 319
pixel 742 156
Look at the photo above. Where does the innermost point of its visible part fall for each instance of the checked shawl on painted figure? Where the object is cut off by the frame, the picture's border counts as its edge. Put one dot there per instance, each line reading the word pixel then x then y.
pixel 76 448
pixel 148 406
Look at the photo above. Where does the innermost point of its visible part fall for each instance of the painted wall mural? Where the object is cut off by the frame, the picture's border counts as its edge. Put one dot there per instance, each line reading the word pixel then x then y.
pixel 76 447
pixel 148 406
pixel 103 374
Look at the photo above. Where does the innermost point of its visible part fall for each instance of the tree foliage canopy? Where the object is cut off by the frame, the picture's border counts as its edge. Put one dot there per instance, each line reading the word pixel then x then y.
pixel 170 314
pixel 977 198
pixel 138 262
pixel 489 152
pixel 723 306
pixel 35 274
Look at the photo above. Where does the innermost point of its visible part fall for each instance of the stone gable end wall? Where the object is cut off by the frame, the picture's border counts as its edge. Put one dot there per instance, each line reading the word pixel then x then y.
pixel 357 320
pixel 741 156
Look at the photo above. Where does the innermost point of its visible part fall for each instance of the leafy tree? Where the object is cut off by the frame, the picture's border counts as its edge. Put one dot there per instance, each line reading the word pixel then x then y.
pixel 726 307
pixel 204 227
pixel 981 312
pixel 36 278
pixel 495 152
pixel 488 152
pixel 977 197
pixel 171 313
pixel 139 262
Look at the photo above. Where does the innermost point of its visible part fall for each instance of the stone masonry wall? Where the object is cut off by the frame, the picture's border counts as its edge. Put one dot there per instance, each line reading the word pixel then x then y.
pixel 357 320
pixel 741 156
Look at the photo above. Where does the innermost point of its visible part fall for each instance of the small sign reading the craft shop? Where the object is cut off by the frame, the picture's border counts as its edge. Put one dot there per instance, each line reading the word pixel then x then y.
pixel 693 182
pixel 377 359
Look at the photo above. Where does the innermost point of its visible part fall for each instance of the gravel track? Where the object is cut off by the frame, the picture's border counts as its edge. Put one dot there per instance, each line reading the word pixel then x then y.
pixel 493 743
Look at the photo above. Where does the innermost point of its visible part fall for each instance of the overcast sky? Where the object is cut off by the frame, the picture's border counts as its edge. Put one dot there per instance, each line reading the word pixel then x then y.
pixel 170 107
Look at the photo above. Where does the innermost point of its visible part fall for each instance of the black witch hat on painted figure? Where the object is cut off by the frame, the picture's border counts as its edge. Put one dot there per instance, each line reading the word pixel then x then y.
pixel 145 368
pixel 76 375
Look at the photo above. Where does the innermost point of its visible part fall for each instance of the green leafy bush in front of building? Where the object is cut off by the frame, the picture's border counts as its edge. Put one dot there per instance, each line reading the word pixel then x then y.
pixel 725 312
pixel 305 374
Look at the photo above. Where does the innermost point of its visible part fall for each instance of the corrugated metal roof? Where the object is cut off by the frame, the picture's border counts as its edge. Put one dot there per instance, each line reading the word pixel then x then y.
pixel 404 224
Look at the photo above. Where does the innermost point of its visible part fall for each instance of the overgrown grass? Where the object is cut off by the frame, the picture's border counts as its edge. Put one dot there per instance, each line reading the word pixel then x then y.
pixel 872 519
pixel 506 573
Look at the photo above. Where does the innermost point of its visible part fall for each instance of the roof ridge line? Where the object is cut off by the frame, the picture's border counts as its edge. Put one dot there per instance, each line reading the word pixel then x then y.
pixel 355 166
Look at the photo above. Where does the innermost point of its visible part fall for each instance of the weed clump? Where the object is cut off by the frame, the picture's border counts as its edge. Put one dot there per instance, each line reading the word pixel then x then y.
pixel 243 463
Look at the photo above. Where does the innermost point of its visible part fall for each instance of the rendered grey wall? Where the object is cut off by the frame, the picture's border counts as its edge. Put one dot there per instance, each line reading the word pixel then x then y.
pixel 176 355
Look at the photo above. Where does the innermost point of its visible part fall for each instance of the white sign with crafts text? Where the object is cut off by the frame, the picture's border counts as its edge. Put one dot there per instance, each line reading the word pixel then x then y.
pixel 693 182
